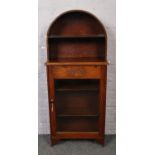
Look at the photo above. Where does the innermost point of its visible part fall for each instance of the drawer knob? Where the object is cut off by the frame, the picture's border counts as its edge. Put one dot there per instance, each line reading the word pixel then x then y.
pixel 75 72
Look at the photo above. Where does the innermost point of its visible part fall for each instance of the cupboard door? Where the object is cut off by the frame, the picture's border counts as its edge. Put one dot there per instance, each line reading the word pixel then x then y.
pixel 77 105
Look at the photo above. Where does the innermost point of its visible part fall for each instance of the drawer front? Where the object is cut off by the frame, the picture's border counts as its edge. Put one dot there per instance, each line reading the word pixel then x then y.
pixel 71 72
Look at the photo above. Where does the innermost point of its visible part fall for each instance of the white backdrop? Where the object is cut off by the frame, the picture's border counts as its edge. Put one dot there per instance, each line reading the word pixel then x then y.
pixel 105 12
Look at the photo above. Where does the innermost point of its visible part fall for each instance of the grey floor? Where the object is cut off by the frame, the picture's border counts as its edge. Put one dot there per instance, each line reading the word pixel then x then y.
pixel 76 147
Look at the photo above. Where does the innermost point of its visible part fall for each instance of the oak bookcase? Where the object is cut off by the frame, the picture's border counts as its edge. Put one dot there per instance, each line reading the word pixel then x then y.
pixel 76 74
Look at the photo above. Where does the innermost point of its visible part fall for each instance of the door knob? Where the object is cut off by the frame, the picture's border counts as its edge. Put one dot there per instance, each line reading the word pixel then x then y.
pixel 52 100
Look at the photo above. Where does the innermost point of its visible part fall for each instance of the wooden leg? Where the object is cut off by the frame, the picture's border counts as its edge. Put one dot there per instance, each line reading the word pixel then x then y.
pixel 54 141
pixel 100 141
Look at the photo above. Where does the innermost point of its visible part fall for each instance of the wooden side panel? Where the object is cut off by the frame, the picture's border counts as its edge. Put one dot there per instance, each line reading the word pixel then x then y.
pixel 102 106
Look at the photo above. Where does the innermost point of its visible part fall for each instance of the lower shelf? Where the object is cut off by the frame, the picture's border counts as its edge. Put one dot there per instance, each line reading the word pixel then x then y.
pixel 77 124
pixel 77 135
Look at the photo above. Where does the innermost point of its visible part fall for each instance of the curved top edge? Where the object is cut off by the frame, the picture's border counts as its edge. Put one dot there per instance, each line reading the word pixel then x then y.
pixel 76 11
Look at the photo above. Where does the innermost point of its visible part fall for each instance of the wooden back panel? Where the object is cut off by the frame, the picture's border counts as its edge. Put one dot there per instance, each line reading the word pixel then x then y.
pixel 77 48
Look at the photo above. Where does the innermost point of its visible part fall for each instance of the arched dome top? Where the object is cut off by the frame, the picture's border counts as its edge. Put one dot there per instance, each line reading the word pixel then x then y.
pixel 76 22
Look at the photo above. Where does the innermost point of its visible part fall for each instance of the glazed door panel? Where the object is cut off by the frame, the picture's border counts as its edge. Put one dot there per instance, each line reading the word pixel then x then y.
pixel 77 105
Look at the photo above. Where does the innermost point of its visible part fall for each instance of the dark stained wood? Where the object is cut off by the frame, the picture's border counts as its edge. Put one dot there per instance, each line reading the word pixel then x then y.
pixel 102 105
pixel 76 75
pixel 78 135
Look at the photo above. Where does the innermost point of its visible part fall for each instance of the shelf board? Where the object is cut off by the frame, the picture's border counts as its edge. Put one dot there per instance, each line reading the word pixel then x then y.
pixel 78 134
pixel 77 89
pixel 100 36
pixel 78 112
pixel 77 61
pixel 60 115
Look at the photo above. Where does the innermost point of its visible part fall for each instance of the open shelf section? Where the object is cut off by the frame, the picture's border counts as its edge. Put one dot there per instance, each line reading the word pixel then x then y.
pixel 81 36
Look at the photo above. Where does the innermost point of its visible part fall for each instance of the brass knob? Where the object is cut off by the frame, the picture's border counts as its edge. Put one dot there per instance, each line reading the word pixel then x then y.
pixel 52 100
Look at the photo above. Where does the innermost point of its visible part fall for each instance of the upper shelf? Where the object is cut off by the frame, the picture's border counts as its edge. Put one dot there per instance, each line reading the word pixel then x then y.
pixel 101 36
pixel 77 61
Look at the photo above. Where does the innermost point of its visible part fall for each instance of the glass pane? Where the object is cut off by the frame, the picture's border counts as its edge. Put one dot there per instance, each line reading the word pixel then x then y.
pixel 77 105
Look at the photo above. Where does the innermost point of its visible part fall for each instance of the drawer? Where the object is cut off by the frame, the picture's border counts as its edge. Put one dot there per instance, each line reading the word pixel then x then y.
pixel 72 72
